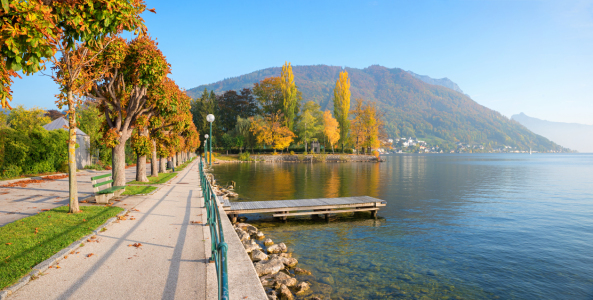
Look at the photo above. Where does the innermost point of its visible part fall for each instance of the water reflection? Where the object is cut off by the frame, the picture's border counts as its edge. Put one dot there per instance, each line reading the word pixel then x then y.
pixel 471 227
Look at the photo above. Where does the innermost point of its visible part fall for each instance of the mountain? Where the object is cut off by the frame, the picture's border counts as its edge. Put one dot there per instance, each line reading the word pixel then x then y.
pixel 572 135
pixel 412 107
pixel 446 82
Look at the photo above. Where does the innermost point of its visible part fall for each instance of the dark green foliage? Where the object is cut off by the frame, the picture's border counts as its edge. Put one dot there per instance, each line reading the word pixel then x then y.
pixel 36 152
pixel 412 107
pixel 231 105
pixel 200 108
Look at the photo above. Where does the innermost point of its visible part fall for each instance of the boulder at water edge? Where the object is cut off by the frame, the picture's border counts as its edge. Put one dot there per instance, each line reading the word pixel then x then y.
pixel 258 255
pixel 247 227
pixel 277 248
pixel 243 236
pixel 272 278
pixel 250 245
pixel 260 235
pixel 266 267
pixel 300 271
pixel 285 293
pixel 268 242
pixel 302 287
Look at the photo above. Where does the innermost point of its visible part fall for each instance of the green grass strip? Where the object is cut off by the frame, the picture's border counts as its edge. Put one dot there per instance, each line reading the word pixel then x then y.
pixel 162 178
pixel 29 241
pixel 135 190
pixel 183 165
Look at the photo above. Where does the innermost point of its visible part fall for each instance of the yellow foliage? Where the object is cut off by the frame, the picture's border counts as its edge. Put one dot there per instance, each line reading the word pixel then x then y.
pixel 330 128
pixel 342 104
pixel 270 131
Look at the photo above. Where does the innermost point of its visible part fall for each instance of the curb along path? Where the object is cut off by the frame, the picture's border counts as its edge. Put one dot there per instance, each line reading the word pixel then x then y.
pixel 160 251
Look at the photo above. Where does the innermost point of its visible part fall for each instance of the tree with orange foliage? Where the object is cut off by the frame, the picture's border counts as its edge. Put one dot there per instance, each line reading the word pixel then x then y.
pixel 271 131
pixel 331 129
pixel 132 69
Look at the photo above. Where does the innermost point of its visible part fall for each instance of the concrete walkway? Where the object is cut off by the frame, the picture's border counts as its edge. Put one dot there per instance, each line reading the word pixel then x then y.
pixel 171 262
pixel 20 202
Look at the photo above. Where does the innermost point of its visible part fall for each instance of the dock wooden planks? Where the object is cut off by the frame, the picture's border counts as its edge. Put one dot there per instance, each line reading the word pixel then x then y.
pixel 283 208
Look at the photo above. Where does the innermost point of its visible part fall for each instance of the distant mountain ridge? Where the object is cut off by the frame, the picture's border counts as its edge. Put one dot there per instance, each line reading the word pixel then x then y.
pixel 412 107
pixel 572 135
pixel 446 82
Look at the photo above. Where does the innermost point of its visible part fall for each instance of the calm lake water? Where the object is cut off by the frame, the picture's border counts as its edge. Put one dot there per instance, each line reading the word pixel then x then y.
pixel 509 226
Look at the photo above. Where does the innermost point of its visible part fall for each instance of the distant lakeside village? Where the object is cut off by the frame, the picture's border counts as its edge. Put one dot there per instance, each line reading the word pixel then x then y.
pixel 414 145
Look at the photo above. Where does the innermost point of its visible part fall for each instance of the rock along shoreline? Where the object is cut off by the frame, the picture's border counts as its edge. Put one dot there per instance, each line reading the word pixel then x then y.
pixel 275 265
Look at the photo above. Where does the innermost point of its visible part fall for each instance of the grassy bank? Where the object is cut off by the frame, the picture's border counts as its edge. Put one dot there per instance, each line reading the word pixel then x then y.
pixel 183 165
pixel 29 241
pixel 162 178
pixel 138 190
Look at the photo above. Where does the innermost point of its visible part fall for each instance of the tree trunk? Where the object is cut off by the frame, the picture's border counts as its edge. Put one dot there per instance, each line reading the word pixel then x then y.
pixel 333 150
pixel 141 169
pixel 154 163
pixel 174 159
pixel 118 165
pixel 305 147
pixel 163 161
pixel 72 185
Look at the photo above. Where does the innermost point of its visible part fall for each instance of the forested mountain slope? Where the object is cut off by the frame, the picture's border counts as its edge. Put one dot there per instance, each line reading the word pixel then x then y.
pixel 412 107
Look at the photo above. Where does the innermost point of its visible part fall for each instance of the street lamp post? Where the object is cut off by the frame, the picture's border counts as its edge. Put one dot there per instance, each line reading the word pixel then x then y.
pixel 210 119
pixel 206 147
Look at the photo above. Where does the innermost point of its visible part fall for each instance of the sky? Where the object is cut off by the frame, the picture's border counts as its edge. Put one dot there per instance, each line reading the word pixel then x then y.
pixel 530 56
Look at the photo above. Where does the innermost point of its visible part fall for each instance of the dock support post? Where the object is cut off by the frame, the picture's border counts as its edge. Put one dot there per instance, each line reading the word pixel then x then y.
pixel 285 218
pixel 234 218
pixel 327 217
pixel 374 214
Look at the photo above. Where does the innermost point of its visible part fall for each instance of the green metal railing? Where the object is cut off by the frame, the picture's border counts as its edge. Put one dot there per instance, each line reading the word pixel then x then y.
pixel 219 247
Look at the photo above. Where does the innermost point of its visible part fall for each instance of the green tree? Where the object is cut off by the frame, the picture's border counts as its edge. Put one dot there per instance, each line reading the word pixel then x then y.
pixel 268 93
pixel 310 122
pixel 342 106
pixel 90 121
pixel 25 120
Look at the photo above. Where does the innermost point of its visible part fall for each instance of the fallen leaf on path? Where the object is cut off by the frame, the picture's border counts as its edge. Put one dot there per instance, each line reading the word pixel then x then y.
pixel 72 252
pixel 196 222
pixel 57 267
pixel 90 255
pixel 45 209
pixel 137 245
pixel 65 256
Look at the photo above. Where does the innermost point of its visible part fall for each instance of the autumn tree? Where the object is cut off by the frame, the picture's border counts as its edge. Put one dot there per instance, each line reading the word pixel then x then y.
pixel 130 70
pixel 268 93
pixel 289 95
pixel 272 131
pixel 342 105
pixel 331 129
pixel 34 31
pixel 367 124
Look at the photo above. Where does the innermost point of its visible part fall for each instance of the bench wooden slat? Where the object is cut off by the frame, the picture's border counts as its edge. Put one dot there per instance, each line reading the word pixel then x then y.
pixel 102 183
pixel 111 190
pixel 101 176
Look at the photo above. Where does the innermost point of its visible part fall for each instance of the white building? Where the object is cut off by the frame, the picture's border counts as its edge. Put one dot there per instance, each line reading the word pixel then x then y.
pixel 83 155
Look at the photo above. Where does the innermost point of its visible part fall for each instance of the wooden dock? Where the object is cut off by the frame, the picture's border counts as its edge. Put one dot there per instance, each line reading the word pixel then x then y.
pixel 324 206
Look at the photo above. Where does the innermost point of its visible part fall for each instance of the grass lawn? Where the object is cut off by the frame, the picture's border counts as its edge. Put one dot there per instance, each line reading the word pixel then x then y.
pixel 183 165
pixel 27 242
pixel 162 178
pixel 230 157
pixel 135 190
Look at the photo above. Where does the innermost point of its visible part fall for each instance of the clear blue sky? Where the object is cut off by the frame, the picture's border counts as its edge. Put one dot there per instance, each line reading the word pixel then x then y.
pixel 512 56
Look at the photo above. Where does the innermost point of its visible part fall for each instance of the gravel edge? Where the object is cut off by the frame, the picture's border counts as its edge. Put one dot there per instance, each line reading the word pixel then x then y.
pixel 44 265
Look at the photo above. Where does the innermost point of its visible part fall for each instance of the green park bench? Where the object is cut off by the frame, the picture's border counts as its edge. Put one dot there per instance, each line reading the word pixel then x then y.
pixel 103 195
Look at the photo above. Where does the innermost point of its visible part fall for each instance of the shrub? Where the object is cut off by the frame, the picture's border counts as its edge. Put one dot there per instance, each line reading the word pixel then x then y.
pixel 245 156
pixel 34 152
pixel 319 157
pixel 291 152
pixel 376 154
pixel 348 151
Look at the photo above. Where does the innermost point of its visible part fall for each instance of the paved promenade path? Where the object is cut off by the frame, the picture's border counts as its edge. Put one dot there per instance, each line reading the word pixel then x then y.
pixel 19 202
pixel 170 263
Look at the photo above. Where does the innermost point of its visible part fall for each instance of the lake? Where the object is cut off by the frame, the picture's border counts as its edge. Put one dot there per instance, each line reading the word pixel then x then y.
pixel 476 226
